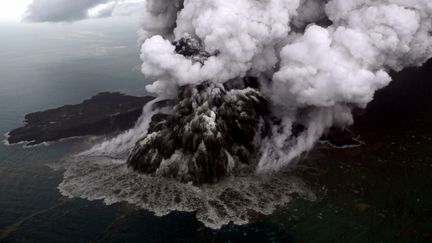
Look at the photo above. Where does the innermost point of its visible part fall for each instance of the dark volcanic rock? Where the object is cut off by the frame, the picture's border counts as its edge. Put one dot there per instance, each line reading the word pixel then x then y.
pixel 102 114
pixel 192 48
pixel 211 133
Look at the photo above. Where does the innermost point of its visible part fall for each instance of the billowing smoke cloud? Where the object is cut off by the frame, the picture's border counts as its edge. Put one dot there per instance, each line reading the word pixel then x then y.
pixel 315 60
pixel 67 10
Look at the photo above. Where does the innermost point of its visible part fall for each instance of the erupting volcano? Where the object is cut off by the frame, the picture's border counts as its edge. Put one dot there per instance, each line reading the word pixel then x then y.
pixel 255 83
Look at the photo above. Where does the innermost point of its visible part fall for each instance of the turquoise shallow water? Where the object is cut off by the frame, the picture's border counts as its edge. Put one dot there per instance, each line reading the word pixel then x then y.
pixel 375 193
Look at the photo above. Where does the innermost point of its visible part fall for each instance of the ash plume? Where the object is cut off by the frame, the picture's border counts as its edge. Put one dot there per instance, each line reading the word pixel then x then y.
pixel 314 60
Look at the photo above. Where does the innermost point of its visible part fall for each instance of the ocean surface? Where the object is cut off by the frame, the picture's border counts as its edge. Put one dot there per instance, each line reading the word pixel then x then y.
pixel 379 192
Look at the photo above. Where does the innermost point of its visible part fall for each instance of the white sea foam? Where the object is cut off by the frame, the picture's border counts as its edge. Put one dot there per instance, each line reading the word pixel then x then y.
pixel 6 140
pixel 232 200
pixel 357 140
pixel 122 144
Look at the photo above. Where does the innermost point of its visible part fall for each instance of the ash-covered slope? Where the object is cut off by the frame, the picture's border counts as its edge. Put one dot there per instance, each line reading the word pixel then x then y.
pixel 211 132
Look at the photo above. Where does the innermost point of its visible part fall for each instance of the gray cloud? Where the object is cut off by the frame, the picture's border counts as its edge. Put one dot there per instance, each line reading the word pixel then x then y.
pixel 60 10
pixel 73 10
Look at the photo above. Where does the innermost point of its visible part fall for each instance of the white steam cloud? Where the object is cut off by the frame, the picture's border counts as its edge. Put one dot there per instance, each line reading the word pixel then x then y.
pixel 315 59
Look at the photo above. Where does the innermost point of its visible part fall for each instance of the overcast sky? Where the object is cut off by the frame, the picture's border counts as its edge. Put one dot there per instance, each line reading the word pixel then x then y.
pixel 65 10
pixel 12 10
